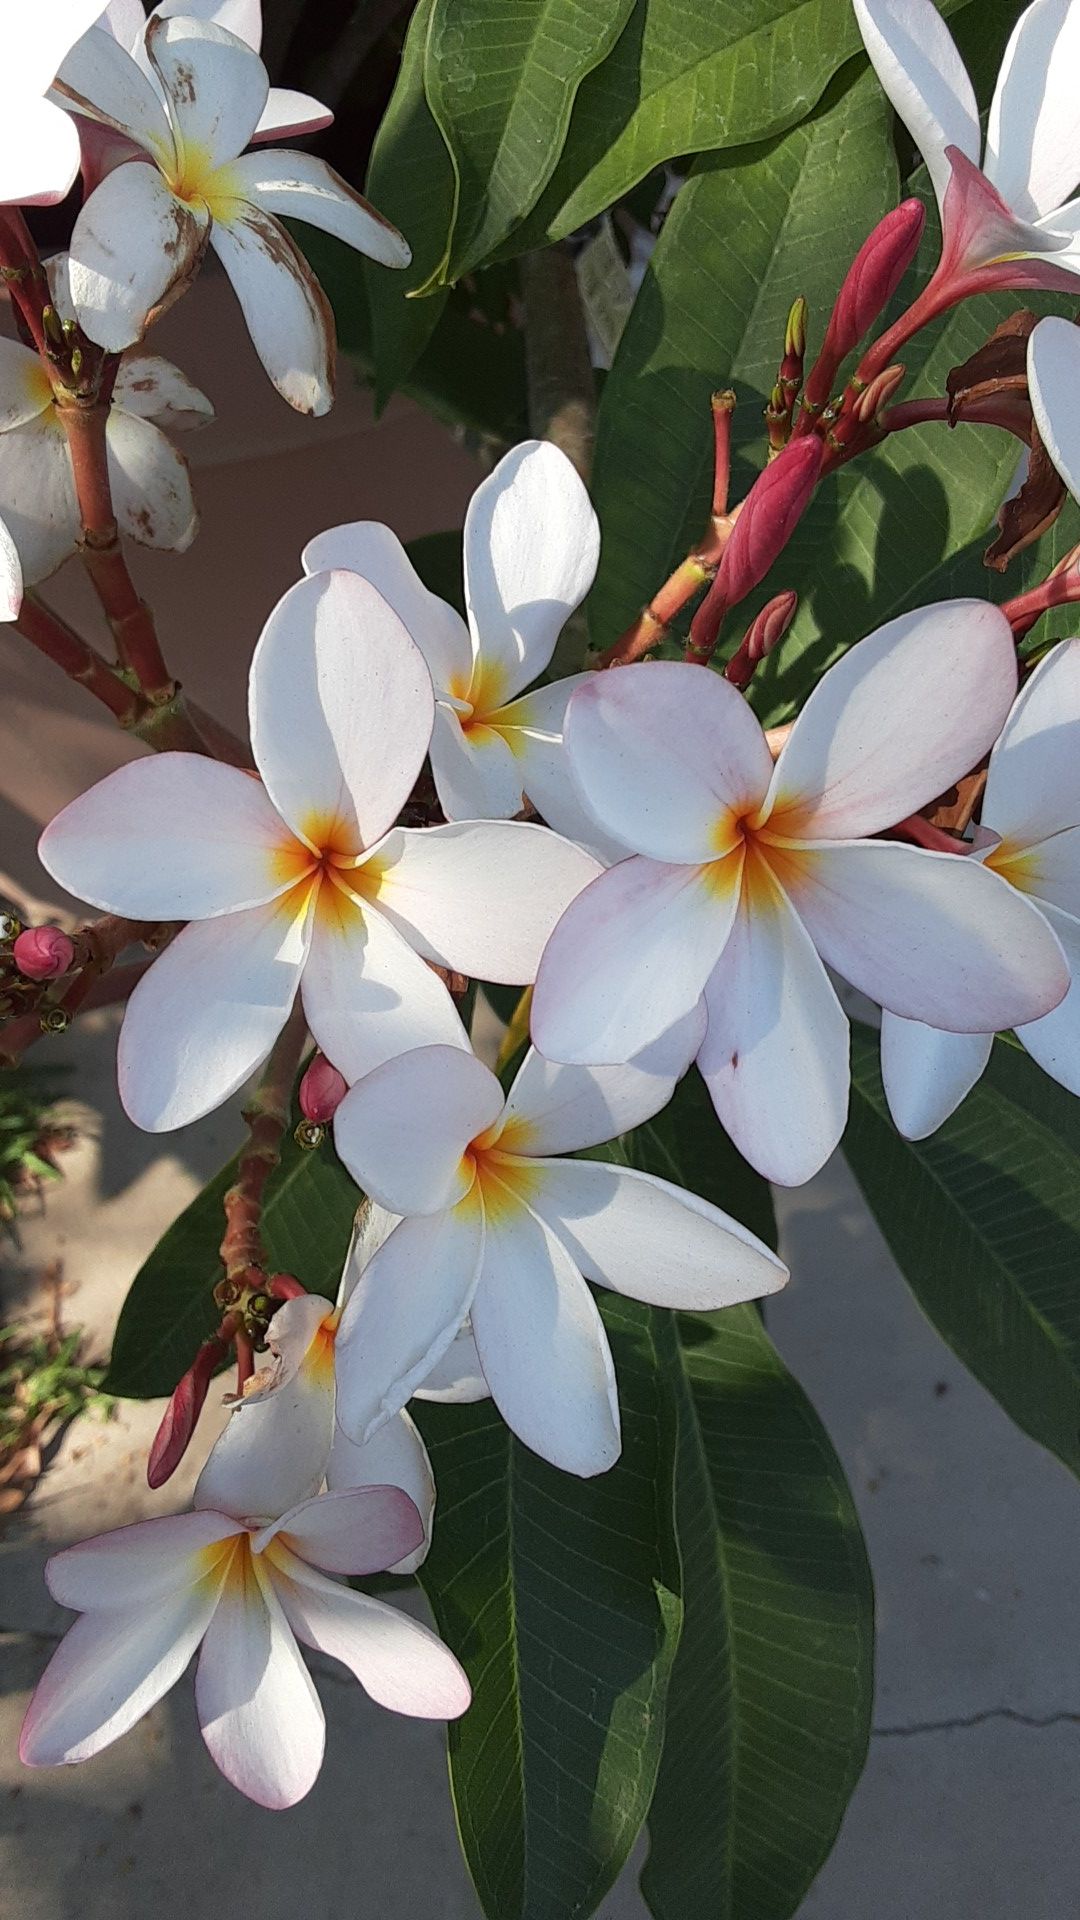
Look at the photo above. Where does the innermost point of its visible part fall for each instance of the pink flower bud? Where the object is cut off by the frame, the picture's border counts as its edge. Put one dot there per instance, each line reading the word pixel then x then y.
pixel 181 1415
pixel 771 511
pixel 765 632
pixel 322 1090
pixel 43 953
pixel 873 277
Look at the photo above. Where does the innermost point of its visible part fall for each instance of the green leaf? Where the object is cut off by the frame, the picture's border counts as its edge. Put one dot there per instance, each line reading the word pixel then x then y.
pixel 560 1598
pixel 501 82
pixel 984 1221
pixel 169 1310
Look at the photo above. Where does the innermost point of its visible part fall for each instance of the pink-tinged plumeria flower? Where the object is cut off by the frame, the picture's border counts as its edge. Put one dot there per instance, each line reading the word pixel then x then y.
pixel 39 146
pixel 243 1590
pixel 286 112
pixel 749 880
pixel 531 546
pixel 1031 808
pixel 141 235
pixel 500 1225
pixel 302 875
pixel 1010 222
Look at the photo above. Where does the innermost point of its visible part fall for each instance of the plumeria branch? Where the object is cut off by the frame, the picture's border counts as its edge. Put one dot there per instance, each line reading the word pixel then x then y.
pixel 24 276
pixel 74 656
pixel 243 1250
pixel 1059 589
pixel 561 385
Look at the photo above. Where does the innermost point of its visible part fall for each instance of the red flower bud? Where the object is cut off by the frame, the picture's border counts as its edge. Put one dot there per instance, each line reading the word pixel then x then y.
pixel 772 509
pixel 765 632
pixel 43 953
pixel 322 1091
pixel 181 1415
pixel 873 277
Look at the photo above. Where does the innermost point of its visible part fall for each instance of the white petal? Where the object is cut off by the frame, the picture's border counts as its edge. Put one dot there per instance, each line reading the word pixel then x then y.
pixel 532 728
pixel 542 1343
pixel 666 756
pixel 173 837
pixel 921 71
pixel 367 995
pixel 934 936
pixel 481 897
pixel 927 1072
pixel 39 153
pixel 216 87
pixel 651 1240
pixel 1048 870
pixel 241 17
pixel 372 550
pixel 352 1530
pixel 25 389
pixel 394 1457
pixel 154 389
pixel 208 1012
pixel 150 484
pixel 895 722
pixel 100 78
pixel 288 113
pixel 553 1109
pixel 126 21
pixel 298 186
pixel 401 1664
pixel 1033 784
pixel 37 495
pixel 403 1313
pixel 341 711
pixel 11 576
pixel 274 1451
pixel 775 1055
pixel 403 1129
pixel 287 313
pixel 258 1709
pixel 1054 1041
pixel 531 547
pixel 1054 384
pixel 372 1228
pixel 458 1378
pixel 132 1565
pixel 134 249
pixel 631 956
pixel 1033 136
pixel 477 774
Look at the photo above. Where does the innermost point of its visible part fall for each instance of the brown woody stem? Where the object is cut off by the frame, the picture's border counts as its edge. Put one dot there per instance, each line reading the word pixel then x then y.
pixel 74 656
pixel 561 385
pixel 267 1116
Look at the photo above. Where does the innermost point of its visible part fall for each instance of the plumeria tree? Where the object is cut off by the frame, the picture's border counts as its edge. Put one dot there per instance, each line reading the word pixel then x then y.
pixel 732 758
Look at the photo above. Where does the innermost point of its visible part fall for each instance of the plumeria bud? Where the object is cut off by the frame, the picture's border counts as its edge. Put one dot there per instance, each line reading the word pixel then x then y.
pixel 770 513
pixel 765 631
pixel 795 335
pixel 43 953
pixel 181 1415
pixel 882 387
pixel 322 1090
pixel 873 277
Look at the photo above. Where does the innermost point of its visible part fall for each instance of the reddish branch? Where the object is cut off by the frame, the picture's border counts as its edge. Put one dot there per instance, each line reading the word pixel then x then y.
pixel 243 1251
pixel 74 656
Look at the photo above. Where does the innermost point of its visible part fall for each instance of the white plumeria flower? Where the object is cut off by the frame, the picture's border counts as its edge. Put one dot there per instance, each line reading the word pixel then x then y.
pixel 11 576
pixel 531 545
pixel 1031 807
pixel 302 875
pixel 499 1225
pixel 748 879
pixel 285 113
pixel 1013 217
pixel 39 146
pixel 141 235
pixel 243 1590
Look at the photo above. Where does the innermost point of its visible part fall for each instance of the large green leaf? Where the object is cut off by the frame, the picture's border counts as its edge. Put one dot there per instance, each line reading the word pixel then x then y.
pixel 984 1221
pixel 501 82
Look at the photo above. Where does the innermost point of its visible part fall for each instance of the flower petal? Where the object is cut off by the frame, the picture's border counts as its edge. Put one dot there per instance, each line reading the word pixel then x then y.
pixel 100 78
pixel 631 956
pixel 531 547
pixel 1033 783
pixel 150 484
pixel 900 717
pixel 402 1130
pixel 1054 1041
pixel 1033 137
pixel 25 390
pixel 11 576
pixel 241 17
pixel 341 711
pixel 288 114
pixel 927 1072
pixel 274 1451
pixel 923 75
pixel 134 249
pixel 532 728
pixel 481 896
pixel 651 1240
pixel 372 550
pixel 215 85
pixel 477 774
pixel 155 390
pixel 173 837
pixel 542 1343
pixel 354 1530
pixel 40 153
pixel 298 186
pixel 258 1709
pixel 208 1012
pixel 458 1378
pixel 1053 372
pixel 553 1109
pixel 936 937
pixel 367 995
pixel 287 313
pixel 37 495
pixel 394 1457
pixel 401 1664
pixel 125 1568
pixel 1048 871
pixel 666 757
pixel 403 1313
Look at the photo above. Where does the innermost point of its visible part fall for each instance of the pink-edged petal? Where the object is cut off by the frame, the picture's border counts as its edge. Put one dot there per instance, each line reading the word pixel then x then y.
pixel 1033 783
pixel 25 389
pixel 1053 366
pixel 258 1709
pixel 132 1565
pixel 394 1457
pixel 273 1453
pixel 775 1054
pixel 631 956
pixel 11 576
pixel 927 1072
pixel 936 937
pixel 216 87
pixel 1054 1041
pixel 288 113
pixel 367 995
pixel 401 1664
pixel 372 550
pixel 39 152
pixel 477 774
pixel 542 1343
pixel 403 1313
pixel 173 837
pixel 155 390
pixel 287 313
pixel 37 495
pixel 208 1012
pixel 354 1530
pixel 458 1378
pixel 100 78
pixel 649 1239
pixel 667 758
pixel 531 546
pixel 402 1130
pixel 299 186
pixel 482 896
pixel 553 1109
pixel 341 711
pixel 1033 136
pixel 532 729
pixel 896 721
pixel 134 249
pixel 916 60
pixel 151 486
pixel 979 230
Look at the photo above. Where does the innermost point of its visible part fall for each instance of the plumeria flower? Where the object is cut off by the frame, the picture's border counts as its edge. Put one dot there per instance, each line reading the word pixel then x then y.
pixel 39 146
pixel 499 1224
pixel 243 1589
pixel 1031 807
pixel 531 547
pixel 141 235
pixel 749 880
pixel 1010 222
pixel 301 875
pixel 285 113
pixel 11 576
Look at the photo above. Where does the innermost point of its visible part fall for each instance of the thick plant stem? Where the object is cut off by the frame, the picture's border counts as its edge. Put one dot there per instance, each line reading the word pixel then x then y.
pixel 74 656
pixel 561 386
pixel 267 1116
